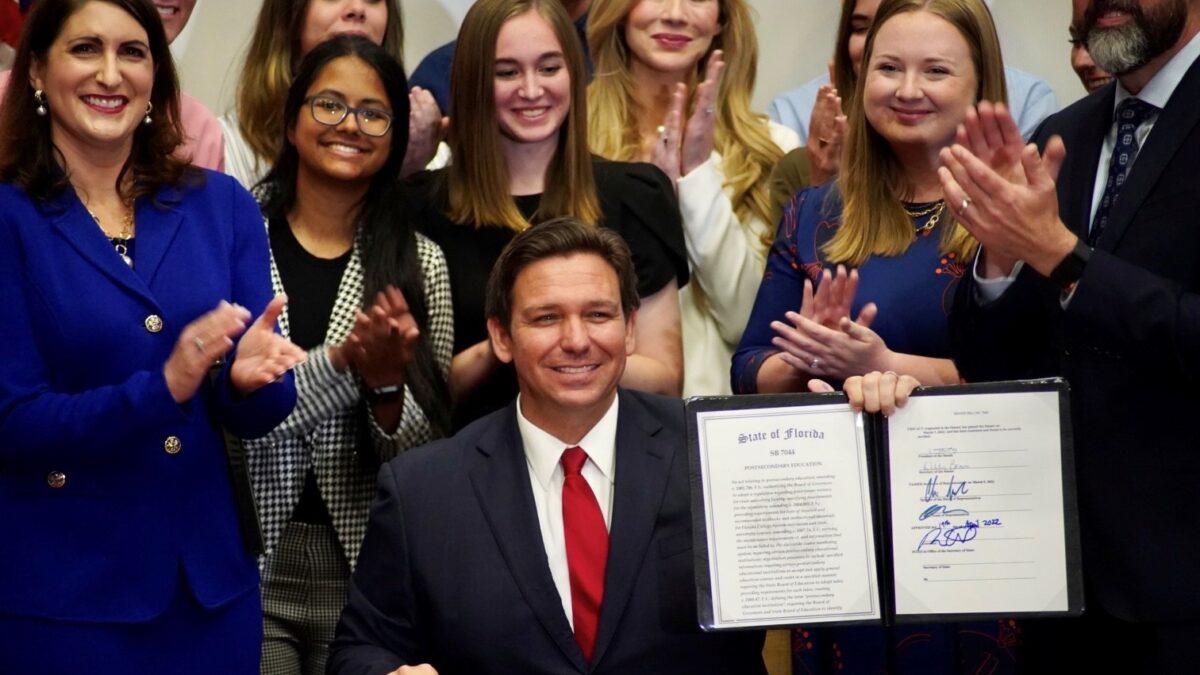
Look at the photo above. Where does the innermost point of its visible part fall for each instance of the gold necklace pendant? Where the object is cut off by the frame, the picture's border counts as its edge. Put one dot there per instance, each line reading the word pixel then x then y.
pixel 936 210
pixel 120 241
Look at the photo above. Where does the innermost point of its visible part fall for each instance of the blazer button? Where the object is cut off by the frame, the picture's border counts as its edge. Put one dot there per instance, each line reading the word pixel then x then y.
pixel 172 445
pixel 56 479
pixel 153 323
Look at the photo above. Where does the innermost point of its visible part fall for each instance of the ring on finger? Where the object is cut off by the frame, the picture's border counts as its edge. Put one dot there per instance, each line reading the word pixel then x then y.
pixel 966 204
pixel 814 364
pixel 199 342
pixel 708 110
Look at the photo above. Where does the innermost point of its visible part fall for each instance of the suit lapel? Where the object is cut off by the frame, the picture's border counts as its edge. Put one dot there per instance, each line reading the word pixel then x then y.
pixel 1175 122
pixel 156 229
pixel 1077 183
pixel 643 466
pixel 77 227
pixel 500 478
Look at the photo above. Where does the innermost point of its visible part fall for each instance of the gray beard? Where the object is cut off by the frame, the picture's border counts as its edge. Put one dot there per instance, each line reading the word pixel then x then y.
pixel 1119 49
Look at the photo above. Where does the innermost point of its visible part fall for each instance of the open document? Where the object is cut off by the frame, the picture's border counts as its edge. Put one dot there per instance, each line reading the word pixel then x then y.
pixel 961 505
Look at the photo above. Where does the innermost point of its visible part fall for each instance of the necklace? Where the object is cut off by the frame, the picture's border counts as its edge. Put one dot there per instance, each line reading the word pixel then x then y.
pixel 936 209
pixel 120 241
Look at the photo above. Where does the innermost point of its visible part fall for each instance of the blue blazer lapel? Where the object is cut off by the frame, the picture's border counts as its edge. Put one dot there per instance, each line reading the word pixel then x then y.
pixel 73 222
pixel 644 457
pixel 500 478
pixel 156 229
pixel 1174 122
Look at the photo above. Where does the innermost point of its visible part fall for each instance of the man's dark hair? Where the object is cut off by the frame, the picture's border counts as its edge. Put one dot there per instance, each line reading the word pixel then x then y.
pixel 559 237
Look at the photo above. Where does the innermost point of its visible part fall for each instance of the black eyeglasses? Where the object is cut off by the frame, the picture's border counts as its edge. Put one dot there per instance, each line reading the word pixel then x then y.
pixel 332 112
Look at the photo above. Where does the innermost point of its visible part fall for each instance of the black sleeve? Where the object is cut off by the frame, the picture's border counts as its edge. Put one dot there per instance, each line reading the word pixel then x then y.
pixel 639 203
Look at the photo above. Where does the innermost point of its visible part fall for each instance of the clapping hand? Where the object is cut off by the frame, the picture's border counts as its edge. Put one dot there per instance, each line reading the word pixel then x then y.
pixel 821 338
pixel 826 134
pixel 383 340
pixel 680 148
pixel 263 356
pixel 426 128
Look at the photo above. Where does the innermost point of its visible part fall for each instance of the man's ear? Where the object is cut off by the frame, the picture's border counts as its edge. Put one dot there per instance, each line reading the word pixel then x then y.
pixel 501 340
pixel 630 332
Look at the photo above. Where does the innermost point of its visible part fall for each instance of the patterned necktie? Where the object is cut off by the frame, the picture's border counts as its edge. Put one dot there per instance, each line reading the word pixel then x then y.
pixel 587 549
pixel 1130 115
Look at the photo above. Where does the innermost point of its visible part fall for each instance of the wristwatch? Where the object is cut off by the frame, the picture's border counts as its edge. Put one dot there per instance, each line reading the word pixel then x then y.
pixel 384 394
pixel 1069 271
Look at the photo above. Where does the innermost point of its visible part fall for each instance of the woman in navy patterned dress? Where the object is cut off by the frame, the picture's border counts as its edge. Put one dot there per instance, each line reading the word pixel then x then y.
pixel 926 63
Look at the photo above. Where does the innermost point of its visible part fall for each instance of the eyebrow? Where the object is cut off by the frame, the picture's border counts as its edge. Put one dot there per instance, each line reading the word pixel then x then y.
pixel 92 37
pixel 547 55
pixel 338 94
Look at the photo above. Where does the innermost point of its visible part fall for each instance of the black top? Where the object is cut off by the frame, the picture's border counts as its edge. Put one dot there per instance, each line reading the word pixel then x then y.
pixel 636 200
pixel 312 285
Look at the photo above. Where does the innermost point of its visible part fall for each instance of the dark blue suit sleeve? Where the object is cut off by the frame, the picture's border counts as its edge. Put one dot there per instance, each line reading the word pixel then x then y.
pixel 378 630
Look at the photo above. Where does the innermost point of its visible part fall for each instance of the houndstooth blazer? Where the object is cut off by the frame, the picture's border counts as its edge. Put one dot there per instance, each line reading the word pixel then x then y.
pixel 323 430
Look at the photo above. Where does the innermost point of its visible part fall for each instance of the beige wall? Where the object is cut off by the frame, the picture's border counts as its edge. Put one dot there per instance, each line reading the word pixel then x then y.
pixel 795 40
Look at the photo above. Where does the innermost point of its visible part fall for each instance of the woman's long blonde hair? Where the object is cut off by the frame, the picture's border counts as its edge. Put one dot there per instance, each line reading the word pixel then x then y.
pixel 741 137
pixel 478 178
pixel 270 62
pixel 872 183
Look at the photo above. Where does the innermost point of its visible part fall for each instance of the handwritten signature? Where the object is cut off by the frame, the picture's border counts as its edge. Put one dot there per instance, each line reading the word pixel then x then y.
pixel 954 489
pixel 946 536
pixel 940 511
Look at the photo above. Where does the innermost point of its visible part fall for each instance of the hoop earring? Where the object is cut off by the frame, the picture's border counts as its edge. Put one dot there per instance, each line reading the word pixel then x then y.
pixel 149 108
pixel 39 97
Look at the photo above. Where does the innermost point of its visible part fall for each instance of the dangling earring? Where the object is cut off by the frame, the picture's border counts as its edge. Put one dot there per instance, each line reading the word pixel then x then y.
pixel 40 98
pixel 149 107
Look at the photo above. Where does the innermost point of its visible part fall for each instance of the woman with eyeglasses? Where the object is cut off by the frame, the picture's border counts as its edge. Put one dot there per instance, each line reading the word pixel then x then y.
pixel 370 302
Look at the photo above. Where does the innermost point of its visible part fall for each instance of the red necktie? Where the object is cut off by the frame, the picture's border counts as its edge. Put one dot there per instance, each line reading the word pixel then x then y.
pixel 587 549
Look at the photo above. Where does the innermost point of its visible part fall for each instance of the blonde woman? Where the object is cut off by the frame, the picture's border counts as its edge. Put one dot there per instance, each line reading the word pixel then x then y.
pixel 285 32
pixel 671 85
pixel 519 140
pixel 925 64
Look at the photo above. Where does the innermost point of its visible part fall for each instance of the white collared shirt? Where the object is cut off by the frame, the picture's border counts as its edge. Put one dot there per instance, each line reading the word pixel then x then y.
pixel 543 453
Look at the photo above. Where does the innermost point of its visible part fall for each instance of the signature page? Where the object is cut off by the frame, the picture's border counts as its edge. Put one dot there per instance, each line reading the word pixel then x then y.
pixel 788 516
pixel 977 504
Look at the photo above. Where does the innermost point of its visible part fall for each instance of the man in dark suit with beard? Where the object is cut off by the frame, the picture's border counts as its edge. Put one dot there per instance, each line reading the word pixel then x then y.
pixel 1090 269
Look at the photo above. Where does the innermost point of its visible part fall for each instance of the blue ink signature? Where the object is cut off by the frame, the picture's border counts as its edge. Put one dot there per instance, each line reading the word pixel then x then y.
pixel 939 510
pixel 946 537
pixel 952 490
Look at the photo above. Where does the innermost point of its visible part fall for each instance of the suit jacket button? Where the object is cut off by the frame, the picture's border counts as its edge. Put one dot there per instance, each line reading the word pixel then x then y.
pixel 172 445
pixel 153 323
pixel 56 479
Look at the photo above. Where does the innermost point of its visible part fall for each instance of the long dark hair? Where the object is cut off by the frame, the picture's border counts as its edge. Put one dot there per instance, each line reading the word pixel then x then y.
pixel 389 245
pixel 28 157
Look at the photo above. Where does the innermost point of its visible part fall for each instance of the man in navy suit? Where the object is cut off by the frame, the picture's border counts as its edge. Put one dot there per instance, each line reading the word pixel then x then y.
pixel 1107 223
pixel 479 557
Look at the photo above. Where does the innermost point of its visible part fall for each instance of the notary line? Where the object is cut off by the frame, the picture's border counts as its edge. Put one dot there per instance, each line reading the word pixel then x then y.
pixel 1003 494
pixel 977 541
pixel 1008 510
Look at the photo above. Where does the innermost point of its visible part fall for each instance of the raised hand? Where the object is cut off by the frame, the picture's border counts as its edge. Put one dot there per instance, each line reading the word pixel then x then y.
pixel 200 343
pixel 698 135
pixel 991 134
pixel 826 135
pixel 426 128
pixel 665 153
pixel 263 355
pixel 1015 217
pixel 383 340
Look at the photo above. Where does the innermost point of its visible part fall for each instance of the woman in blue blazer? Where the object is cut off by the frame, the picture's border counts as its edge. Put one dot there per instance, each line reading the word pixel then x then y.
pixel 124 276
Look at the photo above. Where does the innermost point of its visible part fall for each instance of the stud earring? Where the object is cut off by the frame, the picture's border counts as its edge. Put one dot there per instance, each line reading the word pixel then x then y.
pixel 149 108
pixel 39 97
